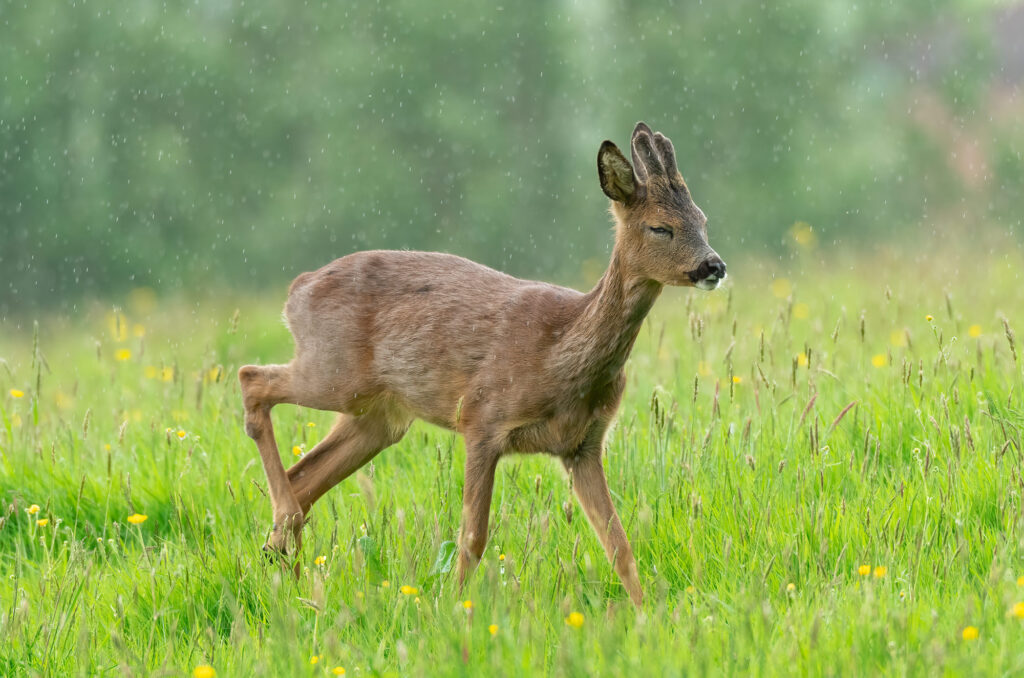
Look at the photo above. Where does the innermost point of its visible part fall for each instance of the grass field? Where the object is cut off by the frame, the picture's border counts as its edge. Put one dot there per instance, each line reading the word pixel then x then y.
pixel 819 467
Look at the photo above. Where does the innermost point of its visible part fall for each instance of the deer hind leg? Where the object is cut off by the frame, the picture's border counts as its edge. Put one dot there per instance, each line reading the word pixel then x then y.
pixel 481 463
pixel 592 492
pixel 262 388
pixel 353 441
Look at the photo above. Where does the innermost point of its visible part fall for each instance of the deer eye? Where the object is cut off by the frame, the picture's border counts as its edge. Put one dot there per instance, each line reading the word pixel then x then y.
pixel 660 230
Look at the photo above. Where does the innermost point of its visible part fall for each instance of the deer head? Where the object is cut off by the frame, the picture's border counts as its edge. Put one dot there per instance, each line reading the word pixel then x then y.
pixel 661 234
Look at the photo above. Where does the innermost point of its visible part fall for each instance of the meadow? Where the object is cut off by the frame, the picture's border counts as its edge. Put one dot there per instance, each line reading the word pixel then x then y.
pixel 819 467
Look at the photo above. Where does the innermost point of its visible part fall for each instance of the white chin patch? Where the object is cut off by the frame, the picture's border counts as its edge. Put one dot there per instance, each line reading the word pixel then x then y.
pixel 709 283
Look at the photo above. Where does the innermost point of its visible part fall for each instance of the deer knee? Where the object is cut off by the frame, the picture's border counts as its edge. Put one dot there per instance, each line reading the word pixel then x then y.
pixel 255 422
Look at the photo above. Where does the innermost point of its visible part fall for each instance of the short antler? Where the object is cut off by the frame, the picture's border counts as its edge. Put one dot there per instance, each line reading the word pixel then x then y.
pixel 654 156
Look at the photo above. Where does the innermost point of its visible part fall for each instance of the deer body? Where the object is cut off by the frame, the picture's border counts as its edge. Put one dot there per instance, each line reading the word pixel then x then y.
pixel 386 337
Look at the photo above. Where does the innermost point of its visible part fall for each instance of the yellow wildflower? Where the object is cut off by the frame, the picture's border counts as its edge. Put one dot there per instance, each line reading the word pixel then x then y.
pixel 501 557
pixel 1020 580
pixel 43 522
pixel 385 584
pixel 691 590
pixel 409 590
pixel 791 587
pixel 801 359
pixel 204 671
pixel 320 560
pixel 181 433
pixel 468 604
pixel 803 234
pixel 879 360
pixel 493 628
pixel 737 380
pixel 15 393
pixel 880 571
pixel 338 670
pixel 297 450
pixel 137 518
pixel 970 633
pixel 33 509
pixel 575 620
pixel 929 318
pixel 167 373
pixel 781 288
pixel 974 330
pixel 864 570
pixel 1017 610
pixel 123 354
pixel 312 425
pixel 313 659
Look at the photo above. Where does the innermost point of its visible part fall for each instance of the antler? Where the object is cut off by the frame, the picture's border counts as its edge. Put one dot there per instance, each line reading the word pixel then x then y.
pixel 653 156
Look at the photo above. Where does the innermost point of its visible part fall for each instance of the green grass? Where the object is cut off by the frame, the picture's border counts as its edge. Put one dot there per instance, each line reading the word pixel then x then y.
pixel 753 484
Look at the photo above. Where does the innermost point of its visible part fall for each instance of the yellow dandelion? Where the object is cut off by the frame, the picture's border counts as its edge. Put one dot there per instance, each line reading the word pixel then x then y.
pixel 137 518
pixel 880 571
pixel 801 311
pixel 970 633
pixel 803 234
pixel 313 659
pixel 575 620
pixel 903 595
pixel 297 450
pixel 313 425
pixel 167 374
pixel 385 584
pixel 1017 610
pixel 929 318
pixel 338 670
pixel 181 433
pixel 320 560
pixel 791 587
pixel 781 288
pixel 33 509
pixel 204 671
pixel 801 359
pixel 691 590
pixel 737 380
pixel 493 628
pixel 1020 580
pixel 974 330
pixel 467 604
pixel 409 590
pixel 123 354
pixel 501 557
pixel 864 570
pixel 16 393
pixel 879 360
pixel 43 522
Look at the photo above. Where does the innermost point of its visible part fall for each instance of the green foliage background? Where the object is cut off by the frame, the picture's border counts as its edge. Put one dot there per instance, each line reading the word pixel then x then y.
pixel 172 145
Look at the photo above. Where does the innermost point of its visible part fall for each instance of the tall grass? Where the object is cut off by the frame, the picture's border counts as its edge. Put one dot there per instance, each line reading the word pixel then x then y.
pixel 778 439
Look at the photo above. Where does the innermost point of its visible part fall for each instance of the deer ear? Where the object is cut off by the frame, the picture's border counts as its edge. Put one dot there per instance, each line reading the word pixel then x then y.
pixel 616 174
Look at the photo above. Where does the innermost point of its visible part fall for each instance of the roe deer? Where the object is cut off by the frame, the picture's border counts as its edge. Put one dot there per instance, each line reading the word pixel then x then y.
pixel 513 365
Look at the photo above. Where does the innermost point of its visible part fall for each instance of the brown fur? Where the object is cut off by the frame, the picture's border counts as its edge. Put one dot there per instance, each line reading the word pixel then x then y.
pixel 515 366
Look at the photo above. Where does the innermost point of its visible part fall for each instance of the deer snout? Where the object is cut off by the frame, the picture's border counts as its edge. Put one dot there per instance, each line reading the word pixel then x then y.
pixel 710 273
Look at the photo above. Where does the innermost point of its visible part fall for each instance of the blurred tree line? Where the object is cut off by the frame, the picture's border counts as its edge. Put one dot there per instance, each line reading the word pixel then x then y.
pixel 174 145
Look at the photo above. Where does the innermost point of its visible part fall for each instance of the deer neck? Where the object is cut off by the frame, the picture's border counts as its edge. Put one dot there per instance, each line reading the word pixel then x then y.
pixel 599 340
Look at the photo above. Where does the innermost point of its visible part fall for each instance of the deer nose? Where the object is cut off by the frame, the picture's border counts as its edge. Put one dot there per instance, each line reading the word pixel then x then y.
pixel 715 267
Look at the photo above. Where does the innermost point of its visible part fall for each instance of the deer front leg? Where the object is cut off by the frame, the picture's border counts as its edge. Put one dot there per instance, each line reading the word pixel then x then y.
pixel 481 463
pixel 592 491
